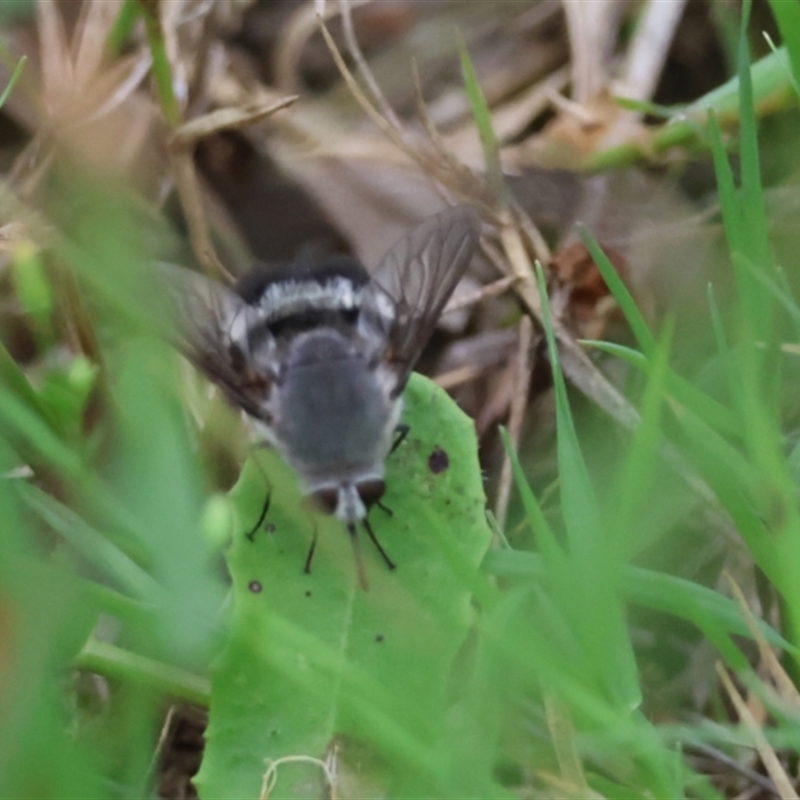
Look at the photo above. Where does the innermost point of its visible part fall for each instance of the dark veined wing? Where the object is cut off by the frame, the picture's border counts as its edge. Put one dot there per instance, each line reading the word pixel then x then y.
pixel 210 327
pixel 413 282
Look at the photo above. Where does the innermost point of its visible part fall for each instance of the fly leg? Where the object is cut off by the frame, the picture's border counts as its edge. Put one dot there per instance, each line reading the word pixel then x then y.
pixel 402 431
pixel 311 549
pixel 267 500
pixel 378 545
pixel 384 508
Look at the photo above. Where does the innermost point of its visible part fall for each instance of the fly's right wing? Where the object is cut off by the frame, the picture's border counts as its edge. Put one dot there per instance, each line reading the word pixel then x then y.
pixel 212 328
pixel 412 284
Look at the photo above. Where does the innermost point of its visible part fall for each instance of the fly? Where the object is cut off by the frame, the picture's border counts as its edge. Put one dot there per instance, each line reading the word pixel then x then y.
pixel 318 355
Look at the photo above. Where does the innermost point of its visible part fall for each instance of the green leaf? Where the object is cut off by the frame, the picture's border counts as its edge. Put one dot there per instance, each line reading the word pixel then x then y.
pixel 65 393
pixel 14 381
pixel 711 411
pixel 772 90
pixel 596 613
pixel 315 664
pixel 30 431
pixel 650 589
pixel 622 295
pixel 15 10
pixel 113 564
pixel 787 15
pixel 752 197
pixel 33 289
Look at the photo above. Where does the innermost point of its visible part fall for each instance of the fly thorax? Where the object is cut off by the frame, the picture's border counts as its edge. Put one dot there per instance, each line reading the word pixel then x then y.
pixel 377 317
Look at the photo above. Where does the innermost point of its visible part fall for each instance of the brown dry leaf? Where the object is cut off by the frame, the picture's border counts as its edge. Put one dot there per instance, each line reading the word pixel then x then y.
pixel 224 119
pixel 580 131
pixel 56 63
pixel 91 34
pixel 579 293
pixel 83 95
pixel 77 83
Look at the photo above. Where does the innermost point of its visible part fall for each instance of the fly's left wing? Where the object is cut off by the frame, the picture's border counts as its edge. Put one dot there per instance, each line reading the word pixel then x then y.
pixel 212 327
pixel 409 289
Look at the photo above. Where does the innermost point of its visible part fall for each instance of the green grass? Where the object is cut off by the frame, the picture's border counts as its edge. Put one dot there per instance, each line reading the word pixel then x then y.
pixel 468 671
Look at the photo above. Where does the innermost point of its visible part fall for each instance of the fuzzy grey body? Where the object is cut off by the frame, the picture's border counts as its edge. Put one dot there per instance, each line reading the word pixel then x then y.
pixel 335 411
pixel 318 355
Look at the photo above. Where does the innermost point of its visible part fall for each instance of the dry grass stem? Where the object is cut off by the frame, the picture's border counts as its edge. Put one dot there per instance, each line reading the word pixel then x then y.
pixel 458 377
pixel 584 375
pixel 580 112
pixel 94 23
pixel 562 732
pixel 490 290
pixel 519 404
pixel 648 49
pixel 383 124
pixel 188 186
pixel 532 234
pixel 123 80
pixel 514 116
pixel 592 29
pixel 787 691
pixel 496 256
pixel 170 15
pixel 165 734
pixel 363 68
pixel 521 267
pixel 58 74
pixel 463 173
pixel 226 119
pixel 296 32
pixel 769 758
pixel 439 163
pixel 716 754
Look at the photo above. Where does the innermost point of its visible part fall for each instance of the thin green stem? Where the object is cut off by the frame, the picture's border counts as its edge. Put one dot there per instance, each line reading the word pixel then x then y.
pixel 115 662
pixel 123 26
pixel 12 81
pixel 162 71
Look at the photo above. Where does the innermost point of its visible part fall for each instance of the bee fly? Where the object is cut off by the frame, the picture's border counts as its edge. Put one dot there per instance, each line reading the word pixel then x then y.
pixel 319 355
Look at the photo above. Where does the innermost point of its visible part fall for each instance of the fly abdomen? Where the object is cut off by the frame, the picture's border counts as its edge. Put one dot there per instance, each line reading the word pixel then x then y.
pixel 334 418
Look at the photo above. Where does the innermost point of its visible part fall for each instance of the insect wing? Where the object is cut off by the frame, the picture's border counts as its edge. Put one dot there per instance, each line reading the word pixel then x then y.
pixel 211 329
pixel 413 282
